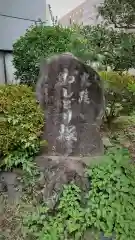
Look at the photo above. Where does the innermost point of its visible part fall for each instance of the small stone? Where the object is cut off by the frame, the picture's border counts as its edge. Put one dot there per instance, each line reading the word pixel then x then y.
pixel 106 142
pixel 41 180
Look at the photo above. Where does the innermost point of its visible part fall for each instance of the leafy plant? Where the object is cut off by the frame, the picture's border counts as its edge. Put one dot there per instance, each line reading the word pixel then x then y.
pixel 119 94
pixel 109 205
pixel 21 122
pixel 69 220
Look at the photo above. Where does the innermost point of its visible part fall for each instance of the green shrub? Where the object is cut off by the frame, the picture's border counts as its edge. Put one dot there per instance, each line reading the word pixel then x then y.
pixel 21 122
pixel 39 41
pixel 119 94
pixel 109 207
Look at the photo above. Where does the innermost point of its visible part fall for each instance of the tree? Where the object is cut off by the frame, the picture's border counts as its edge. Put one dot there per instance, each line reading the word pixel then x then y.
pixel 113 48
pixel 120 13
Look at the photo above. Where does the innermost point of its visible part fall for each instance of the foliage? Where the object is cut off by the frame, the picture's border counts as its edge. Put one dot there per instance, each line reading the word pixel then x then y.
pixel 109 207
pixel 109 47
pixel 111 198
pixel 69 221
pixel 21 122
pixel 119 94
pixel 43 41
pixel 121 13
pixel 39 41
pixel 99 44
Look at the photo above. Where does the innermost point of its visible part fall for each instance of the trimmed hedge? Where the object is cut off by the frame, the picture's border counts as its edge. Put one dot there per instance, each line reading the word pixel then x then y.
pixel 21 120
pixel 38 41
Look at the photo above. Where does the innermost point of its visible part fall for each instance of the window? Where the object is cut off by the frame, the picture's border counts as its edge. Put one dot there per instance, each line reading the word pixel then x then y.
pixel 9 68
pixel 6 68
pixel 2 73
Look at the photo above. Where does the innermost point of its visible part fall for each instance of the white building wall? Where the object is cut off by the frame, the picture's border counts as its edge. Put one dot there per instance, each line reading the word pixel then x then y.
pixel 15 17
pixel 86 14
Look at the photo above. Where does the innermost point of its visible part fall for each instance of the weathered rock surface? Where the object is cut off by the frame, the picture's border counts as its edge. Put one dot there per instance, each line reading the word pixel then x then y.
pixel 71 94
pixel 55 172
pixel 10 184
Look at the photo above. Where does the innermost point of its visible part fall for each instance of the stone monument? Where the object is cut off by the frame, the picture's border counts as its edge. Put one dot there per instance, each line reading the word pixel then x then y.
pixel 71 94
